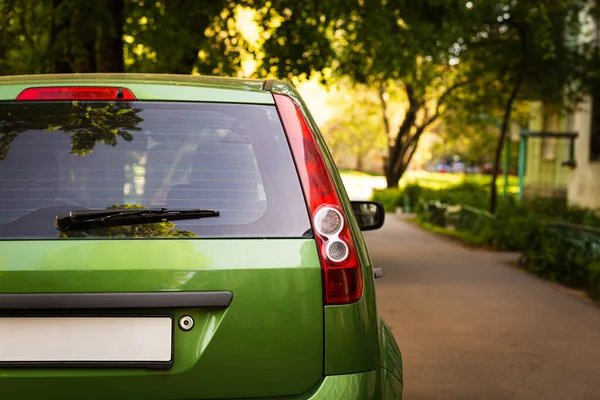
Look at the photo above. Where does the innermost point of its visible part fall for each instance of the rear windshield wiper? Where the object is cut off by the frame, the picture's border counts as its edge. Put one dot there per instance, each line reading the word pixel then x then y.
pixel 77 220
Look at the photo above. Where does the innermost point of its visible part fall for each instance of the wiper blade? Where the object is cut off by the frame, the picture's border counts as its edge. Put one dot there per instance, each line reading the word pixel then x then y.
pixel 77 220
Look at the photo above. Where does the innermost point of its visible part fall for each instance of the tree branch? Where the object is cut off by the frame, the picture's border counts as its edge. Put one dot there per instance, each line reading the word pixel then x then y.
pixel 384 109
pixel 407 124
pixel 442 99
pixel 409 158
pixel 410 145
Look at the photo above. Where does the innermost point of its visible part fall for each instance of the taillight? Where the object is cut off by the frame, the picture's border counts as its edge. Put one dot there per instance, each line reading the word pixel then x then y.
pixel 341 267
pixel 76 93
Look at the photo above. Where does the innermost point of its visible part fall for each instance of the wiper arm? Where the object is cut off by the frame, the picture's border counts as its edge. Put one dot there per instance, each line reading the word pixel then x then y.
pixel 78 220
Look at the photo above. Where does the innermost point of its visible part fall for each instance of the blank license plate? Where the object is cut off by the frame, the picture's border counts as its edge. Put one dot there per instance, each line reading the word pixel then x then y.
pixel 135 341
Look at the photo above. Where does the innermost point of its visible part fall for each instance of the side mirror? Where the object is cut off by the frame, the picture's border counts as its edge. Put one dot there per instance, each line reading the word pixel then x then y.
pixel 370 215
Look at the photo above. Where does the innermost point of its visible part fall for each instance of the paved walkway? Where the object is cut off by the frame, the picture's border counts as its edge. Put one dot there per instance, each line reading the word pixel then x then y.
pixel 473 327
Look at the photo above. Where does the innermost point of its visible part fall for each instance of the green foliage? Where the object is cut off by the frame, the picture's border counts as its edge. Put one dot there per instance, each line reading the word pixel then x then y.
pixel 513 229
pixel 166 36
pixel 466 193
pixel 594 280
pixel 555 243
pixel 439 55
pixel 390 198
pixel 400 48
pixel 460 235
pixel 556 255
pixel 357 127
pixel 470 191
pixel 169 36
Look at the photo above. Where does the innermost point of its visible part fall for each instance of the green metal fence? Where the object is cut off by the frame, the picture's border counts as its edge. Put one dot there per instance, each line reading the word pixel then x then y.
pixel 474 220
pixel 459 217
pixel 582 242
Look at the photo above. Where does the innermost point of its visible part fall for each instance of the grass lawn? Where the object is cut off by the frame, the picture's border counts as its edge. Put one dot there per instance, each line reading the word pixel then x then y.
pixel 437 180
pixel 362 184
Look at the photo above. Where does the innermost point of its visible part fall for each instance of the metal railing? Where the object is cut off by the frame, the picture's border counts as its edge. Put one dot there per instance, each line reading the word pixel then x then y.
pixel 579 243
pixel 474 220
pixel 433 212
pixel 582 242
pixel 458 217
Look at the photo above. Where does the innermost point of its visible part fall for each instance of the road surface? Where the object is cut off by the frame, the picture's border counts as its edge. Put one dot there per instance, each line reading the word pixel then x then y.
pixel 473 327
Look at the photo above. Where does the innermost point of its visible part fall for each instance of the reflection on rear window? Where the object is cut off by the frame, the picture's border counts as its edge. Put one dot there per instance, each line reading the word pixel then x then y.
pixel 61 156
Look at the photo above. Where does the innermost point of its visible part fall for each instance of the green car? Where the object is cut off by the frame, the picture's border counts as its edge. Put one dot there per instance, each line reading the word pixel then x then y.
pixel 180 237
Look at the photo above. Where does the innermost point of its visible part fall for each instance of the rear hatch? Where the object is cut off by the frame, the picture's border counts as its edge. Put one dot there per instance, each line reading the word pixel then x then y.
pixel 220 307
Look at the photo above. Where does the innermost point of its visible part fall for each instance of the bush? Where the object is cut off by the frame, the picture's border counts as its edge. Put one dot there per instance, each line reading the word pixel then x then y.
pixel 390 198
pixel 413 193
pixel 542 229
pixel 553 255
pixel 514 228
pixel 593 286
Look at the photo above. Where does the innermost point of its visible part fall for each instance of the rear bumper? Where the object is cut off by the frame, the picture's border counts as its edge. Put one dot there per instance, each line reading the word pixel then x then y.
pixel 379 384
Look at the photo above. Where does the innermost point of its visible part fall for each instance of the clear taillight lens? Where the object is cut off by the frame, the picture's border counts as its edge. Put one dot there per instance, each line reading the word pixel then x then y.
pixel 328 221
pixel 337 251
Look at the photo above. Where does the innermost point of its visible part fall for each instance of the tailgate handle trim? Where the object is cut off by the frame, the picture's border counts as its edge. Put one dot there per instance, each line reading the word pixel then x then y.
pixel 107 301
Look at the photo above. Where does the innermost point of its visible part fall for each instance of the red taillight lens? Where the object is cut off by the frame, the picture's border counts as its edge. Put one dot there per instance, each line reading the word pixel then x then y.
pixel 341 267
pixel 76 93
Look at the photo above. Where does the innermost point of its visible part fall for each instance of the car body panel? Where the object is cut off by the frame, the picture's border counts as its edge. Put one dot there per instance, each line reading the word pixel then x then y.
pixel 277 306
pixel 392 386
pixel 150 87
pixel 351 338
pixel 391 356
pixel 370 385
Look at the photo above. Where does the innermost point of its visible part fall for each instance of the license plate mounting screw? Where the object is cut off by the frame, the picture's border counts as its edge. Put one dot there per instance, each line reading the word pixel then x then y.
pixel 186 323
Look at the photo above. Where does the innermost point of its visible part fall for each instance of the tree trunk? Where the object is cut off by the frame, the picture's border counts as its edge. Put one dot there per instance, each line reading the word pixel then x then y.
pixel 359 161
pixel 187 63
pixel 391 180
pixel 386 123
pixel 500 145
pixel 393 167
pixel 405 145
pixel 59 63
pixel 89 63
pixel 71 53
pixel 111 39
pixel 506 121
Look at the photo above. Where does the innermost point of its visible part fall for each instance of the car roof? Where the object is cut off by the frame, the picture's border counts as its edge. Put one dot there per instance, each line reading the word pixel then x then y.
pixel 166 87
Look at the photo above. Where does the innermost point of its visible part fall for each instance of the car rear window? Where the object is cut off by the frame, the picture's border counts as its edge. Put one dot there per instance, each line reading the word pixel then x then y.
pixel 233 158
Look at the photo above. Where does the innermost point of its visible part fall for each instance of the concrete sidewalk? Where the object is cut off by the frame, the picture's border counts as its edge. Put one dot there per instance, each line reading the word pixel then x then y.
pixel 473 327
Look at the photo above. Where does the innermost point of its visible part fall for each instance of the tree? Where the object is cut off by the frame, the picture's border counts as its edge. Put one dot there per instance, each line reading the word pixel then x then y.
pixel 471 128
pixel 519 50
pixel 177 36
pixel 504 49
pixel 471 139
pixel 356 126
pixel 166 36
pixel 399 47
pixel 61 36
pixel 24 39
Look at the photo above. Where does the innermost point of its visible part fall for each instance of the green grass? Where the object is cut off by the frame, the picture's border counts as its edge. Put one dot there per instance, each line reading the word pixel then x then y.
pixel 464 237
pixel 437 180
pixel 350 172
